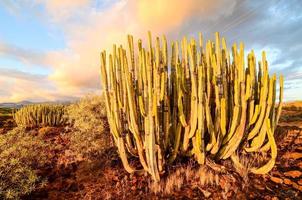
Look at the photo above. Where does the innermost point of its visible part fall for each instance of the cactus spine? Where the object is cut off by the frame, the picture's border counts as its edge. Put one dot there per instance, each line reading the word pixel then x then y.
pixel 204 101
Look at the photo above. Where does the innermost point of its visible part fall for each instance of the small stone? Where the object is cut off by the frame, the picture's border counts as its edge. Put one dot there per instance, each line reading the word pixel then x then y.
pixel 276 173
pixel 298 141
pixel 276 180
pixel 222 182
pixel 292 155
pixel 298 187
pixel 74 187
pixel 293 174
pixel 259 187
pixel 115 178
pixel 81 187
pixel 206 193
pixel 287 181
pixel 118 184
pixel 134 181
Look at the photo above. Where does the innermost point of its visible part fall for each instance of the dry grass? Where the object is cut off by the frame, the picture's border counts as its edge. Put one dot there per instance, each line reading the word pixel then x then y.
pixel 208 177
pixel 90 135
pixel 186 176
pixel 293 105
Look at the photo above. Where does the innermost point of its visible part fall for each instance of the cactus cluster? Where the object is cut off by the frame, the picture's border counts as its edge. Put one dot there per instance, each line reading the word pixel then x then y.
pixel 40 115
pixel 202 101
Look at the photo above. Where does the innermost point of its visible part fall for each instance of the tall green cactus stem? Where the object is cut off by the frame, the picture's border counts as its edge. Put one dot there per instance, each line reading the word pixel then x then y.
pixel 203 100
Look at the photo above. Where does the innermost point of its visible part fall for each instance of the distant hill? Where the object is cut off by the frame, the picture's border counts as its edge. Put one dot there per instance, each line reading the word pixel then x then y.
pixel 25 103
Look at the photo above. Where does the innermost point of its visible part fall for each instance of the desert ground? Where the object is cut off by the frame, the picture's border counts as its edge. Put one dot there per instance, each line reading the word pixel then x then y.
pixel 71 177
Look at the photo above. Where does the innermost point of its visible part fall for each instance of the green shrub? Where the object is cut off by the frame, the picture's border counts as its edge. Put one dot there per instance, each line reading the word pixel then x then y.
pixel 21 154
pixel 90 136
pixel 6 111
pixel 40 115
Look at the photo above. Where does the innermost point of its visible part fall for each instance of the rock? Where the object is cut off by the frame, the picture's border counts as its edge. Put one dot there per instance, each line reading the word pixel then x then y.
pixel 222 182
pixel 259 187
pixel 293 174
pixel 81 187
pixel 118 184
pixel 206 193
pixel 287 181
pixel 299 148
pixel 298 187
pixel 74 187
pixel 276 180
pixel 298 141
pixel 276 173
pixel 115 178
pixel 292 155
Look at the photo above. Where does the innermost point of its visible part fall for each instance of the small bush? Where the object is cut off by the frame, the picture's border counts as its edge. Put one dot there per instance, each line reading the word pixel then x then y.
pixel 88 118
pixel 40 115
pixel 21 155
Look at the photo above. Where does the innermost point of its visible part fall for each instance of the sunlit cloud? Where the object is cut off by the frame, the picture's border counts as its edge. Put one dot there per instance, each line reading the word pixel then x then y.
pixel 18 86
pixel 90 26
pixel 64 9
pixel 78 66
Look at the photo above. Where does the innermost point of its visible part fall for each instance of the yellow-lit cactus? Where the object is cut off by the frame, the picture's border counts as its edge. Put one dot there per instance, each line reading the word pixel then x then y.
pixel 40 115
pixel 204 101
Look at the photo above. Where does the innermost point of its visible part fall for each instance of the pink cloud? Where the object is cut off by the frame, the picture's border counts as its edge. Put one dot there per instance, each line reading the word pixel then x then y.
pixel 78 65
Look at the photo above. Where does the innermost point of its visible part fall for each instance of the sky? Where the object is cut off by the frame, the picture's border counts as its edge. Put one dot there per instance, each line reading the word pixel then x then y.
pixel 49 49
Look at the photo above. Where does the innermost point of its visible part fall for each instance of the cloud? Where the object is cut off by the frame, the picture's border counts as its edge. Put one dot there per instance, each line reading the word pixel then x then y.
pixel 17 74
pixel 275 29
pixel 19 85
pixel 91 26
pixel 27 56
pixel 292 90
pixel 78 64
pixel 169 14
pixel 52 9
pixel 64 9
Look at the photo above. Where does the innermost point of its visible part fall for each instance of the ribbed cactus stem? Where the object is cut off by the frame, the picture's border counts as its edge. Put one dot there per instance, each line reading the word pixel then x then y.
pixel 202 100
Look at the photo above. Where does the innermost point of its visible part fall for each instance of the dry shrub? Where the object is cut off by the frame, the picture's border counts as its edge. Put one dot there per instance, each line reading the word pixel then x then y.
pixel 186 176
pixel 248 162
pixel 21 154
pixel 90 135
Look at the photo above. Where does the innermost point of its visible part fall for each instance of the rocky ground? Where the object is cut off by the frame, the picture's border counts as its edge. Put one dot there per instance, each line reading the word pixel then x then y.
pixel 285 180
pixel 70 177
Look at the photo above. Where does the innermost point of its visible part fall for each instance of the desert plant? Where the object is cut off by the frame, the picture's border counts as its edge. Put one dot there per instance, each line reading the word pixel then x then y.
pixel 88 118
pixel 207 102
pixel 40 115
pixel 20 155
